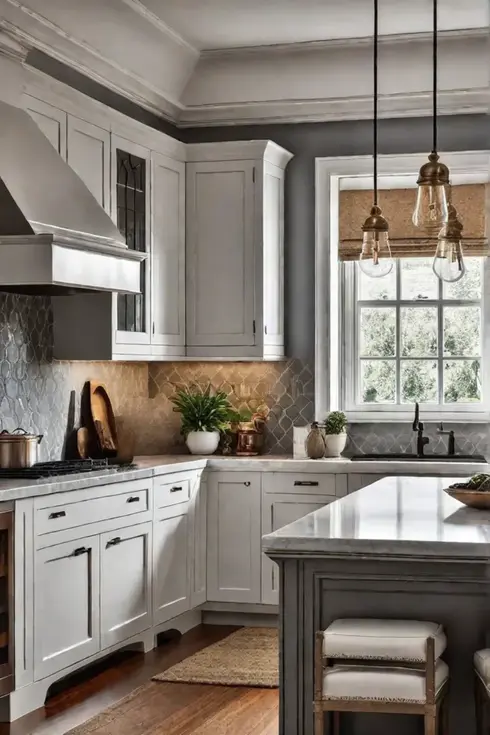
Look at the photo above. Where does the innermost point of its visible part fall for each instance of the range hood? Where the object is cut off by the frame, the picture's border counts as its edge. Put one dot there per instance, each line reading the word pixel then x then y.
pixel 54 236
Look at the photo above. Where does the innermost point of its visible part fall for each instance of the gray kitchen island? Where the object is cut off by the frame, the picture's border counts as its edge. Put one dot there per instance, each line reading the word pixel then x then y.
pixel 400 548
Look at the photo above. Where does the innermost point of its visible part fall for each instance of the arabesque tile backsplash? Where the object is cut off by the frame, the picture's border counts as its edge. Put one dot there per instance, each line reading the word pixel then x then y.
pixel 43 395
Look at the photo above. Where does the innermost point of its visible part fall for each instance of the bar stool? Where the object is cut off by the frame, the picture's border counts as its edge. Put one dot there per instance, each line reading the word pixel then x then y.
pixel 385 666
pixel 481 663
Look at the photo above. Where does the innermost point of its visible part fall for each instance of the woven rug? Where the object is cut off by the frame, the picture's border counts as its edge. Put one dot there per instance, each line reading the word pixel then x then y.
pixel 249 658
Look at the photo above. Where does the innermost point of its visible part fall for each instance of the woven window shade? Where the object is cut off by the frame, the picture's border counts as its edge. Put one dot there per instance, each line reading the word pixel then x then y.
pixel 397 206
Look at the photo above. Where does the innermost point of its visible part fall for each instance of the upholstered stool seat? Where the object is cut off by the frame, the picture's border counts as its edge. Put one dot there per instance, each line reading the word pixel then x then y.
pixel 380 683
pixel 373 665
pixel 394 640
pixel 481 663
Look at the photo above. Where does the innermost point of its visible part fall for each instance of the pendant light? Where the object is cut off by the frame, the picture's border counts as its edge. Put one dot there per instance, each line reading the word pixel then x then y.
pixel 431 209
pixel 448 262
pixel 375 259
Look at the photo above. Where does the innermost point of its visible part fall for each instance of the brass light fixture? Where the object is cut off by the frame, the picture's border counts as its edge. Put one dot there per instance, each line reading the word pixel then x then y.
pixel 431 209
pixel 375 259
pixel 448 262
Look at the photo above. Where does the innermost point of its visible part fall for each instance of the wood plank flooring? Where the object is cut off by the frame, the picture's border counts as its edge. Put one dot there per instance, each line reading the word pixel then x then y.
pixel 186 709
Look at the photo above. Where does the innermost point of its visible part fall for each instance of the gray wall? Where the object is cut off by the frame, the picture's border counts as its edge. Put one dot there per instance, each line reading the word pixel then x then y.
pixel 311 140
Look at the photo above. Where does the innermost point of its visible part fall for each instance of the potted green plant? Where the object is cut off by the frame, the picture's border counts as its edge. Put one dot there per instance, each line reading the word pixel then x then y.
pixel 335 433
pixel 204 415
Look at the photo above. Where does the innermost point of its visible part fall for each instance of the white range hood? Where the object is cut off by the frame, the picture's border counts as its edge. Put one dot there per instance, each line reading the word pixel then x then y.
pixel 54 236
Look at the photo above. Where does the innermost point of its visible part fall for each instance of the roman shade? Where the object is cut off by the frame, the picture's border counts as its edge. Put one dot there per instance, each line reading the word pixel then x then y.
pixel 406 240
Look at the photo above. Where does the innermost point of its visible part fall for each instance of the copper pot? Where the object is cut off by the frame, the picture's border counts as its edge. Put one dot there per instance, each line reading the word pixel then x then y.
pixel 18 449
pixel 250 442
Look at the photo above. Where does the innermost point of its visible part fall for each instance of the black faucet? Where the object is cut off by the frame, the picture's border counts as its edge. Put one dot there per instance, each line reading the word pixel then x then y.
pixel 418 426
pixel 450 440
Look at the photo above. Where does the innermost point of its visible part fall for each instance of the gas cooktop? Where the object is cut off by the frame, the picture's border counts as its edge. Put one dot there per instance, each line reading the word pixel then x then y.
pixel 62 467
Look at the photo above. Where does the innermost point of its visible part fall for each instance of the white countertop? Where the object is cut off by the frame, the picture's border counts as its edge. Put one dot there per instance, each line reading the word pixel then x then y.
pixel 156 465
pixel 395 516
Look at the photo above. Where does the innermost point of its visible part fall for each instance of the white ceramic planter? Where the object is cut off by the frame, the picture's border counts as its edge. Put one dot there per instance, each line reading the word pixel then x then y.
pixel 202 442
pixel 335 444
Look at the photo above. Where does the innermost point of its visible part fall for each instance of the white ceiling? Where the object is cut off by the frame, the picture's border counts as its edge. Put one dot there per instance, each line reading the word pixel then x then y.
pixel 213 24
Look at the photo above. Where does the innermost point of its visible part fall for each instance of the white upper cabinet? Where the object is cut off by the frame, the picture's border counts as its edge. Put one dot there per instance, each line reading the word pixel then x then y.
pixel 167 256
pixel 51 120
pixel 235 250
pixel 88 154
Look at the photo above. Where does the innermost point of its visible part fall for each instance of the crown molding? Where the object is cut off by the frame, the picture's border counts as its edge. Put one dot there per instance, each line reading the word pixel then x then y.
pixel 138 7
pixel 453 102
pixel 12 48
pixel 339 43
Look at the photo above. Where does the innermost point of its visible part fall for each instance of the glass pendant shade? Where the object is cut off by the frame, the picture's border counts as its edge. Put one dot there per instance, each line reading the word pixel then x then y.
pixel 375 260
pixel 448 262
pixel 431 208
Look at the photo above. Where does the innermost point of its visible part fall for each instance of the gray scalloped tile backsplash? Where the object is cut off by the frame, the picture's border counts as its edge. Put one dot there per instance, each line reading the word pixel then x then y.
pixel 43 395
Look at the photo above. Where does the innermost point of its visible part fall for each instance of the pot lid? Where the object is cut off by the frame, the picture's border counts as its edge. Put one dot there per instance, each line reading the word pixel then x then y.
pixel 16 435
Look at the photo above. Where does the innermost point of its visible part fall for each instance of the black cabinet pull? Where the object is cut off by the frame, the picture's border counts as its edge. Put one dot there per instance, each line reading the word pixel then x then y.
pixel 176 489
pixel 80 551
pixel 306 483
pixel 247 483
pixel 58 514
pixel 113 542
pixel 133 499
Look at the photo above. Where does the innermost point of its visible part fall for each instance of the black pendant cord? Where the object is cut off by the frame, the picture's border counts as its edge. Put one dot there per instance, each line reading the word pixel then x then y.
pixel 375 104
pixel 434 79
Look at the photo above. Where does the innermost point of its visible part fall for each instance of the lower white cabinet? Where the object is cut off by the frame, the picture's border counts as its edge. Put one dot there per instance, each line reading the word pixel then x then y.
pixel 66 605
pixel 125 583
pixel 198 511
pixel 234 537
pixel 171 560
pixel 356 482
pixel 277 511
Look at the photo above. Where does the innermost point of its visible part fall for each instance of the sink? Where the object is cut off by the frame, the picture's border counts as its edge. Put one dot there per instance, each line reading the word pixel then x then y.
pixel 474 458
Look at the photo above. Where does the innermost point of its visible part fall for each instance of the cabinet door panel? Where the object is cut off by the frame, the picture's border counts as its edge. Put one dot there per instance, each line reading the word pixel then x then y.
pixel 356 482
pixel 66 605
pixel 234 537
pixel 199 543
pixel 89 156
pixel 171 590
pixel 50 120
pixel 278 511
pixel 220 252
pixel 168 251
pixel 125 583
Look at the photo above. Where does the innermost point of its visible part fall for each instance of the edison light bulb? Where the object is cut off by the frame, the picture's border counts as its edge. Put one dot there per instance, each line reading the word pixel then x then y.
pixel 431 208
pixel 375 260
pixel 448 262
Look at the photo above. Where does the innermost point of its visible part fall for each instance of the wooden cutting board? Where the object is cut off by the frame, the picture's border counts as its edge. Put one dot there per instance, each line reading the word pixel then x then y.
pixel 103 419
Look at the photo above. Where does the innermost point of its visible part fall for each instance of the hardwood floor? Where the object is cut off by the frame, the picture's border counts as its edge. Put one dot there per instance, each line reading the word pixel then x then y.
pixel 186 709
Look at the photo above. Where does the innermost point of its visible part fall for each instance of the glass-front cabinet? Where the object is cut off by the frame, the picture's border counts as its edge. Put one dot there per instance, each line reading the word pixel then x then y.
pixel 131 212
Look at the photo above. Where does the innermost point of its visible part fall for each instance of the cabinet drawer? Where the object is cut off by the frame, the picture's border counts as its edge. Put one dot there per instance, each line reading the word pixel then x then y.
pixel 172 489
pixel 297 483
pixel 72 514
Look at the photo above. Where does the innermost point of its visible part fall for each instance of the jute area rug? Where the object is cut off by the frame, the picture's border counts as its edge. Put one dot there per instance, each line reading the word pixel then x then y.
pixel 249 658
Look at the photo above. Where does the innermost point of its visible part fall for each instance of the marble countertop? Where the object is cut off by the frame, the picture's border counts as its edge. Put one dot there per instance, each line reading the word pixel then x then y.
pixel 395 516
pixel 156 465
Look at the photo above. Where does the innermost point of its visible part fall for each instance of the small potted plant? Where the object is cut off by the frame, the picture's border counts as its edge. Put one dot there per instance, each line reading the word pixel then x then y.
pixel 335 434
pixel 204 416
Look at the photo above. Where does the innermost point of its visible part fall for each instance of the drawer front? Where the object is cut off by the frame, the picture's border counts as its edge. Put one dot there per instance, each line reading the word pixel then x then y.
pixel 72 514
pixel 172 489
pixel 298 482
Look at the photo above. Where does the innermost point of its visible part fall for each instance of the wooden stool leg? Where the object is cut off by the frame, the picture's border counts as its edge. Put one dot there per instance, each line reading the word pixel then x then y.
pixel 430 724
pixel 480 705
pixel 336 723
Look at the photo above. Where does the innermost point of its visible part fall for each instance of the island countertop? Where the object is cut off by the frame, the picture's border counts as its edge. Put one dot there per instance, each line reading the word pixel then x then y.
pixel 396 516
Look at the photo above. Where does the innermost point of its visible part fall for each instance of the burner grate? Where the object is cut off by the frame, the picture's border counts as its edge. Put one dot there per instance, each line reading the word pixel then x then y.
pixel 55 469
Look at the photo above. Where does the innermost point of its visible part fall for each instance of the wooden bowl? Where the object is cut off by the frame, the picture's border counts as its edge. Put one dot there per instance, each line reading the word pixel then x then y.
pixel 472 498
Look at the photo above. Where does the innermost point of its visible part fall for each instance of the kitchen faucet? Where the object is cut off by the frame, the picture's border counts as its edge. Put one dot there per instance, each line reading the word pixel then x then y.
pixel 418 426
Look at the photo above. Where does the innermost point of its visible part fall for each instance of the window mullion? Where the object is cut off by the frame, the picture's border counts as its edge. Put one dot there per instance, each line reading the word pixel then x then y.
pixel 440 345
pixel 398 333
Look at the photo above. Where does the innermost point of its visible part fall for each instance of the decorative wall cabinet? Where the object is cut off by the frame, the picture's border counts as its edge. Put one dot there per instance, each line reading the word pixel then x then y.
pixel 235 250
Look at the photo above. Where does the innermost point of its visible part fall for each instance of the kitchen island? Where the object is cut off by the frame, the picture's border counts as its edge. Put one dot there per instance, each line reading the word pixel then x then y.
pixel 400 548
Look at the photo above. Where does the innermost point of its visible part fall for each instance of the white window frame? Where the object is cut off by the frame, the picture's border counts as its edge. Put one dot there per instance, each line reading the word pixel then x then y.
pixel 355 172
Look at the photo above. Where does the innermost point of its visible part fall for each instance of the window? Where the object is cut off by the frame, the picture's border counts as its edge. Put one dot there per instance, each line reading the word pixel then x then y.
pixel 408 337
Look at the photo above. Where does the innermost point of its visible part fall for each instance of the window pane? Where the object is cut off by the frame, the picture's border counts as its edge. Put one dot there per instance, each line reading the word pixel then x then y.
pixel 419 331
pixel 462 330
pixel 378 332
pixel 469 287
pixel 418 381
pixel 462 381
pixel 418 279
pixel 378 381
pixel 377 289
